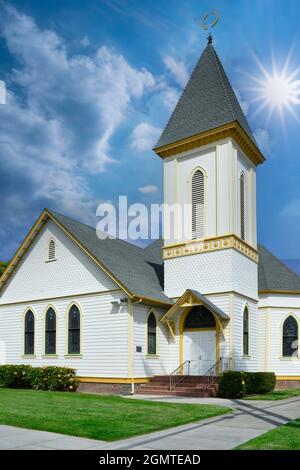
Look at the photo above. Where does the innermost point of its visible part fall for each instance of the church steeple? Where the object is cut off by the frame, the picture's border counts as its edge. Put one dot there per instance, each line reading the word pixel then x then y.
pixel 207 103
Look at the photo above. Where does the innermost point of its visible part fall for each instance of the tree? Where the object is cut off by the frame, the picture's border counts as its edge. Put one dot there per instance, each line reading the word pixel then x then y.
pixel 3 265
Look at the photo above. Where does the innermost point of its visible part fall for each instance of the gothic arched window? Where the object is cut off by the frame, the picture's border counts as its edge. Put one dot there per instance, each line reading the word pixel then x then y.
pixel 246 332
pixel 74 330
pixel 289 337
pixel 151 334
pixel 29 324
pixel 50 332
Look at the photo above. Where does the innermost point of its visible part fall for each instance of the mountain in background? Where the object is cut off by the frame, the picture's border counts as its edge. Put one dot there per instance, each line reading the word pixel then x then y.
pixel 293 264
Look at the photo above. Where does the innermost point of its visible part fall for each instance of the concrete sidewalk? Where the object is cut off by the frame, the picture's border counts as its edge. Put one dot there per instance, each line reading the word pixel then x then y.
pixel 248 420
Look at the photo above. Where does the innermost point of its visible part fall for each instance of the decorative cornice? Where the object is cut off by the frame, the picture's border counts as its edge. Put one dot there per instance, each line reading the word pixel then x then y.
pixel 208 245
pixel 232 130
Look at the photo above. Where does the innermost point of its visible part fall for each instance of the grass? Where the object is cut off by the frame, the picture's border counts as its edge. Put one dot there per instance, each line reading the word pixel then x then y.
pixel 285 437
pixel 275 395
pixel 106 418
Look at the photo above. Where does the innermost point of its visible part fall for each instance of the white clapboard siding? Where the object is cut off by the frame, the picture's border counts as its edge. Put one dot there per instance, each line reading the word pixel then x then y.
pixel 72 271
pixel 240 362
pixel 145 366
pixel 104 335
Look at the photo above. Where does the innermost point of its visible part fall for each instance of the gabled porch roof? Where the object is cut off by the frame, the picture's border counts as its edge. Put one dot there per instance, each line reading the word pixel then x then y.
pixel 192 298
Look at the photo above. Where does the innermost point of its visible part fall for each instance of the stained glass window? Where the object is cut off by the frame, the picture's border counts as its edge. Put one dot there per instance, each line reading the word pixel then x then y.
pixel 74 330
pixel 151 334
pixel 290 337
pixel 29 333
pixel 50 332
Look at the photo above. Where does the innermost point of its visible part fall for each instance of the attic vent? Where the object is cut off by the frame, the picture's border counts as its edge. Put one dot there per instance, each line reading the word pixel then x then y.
pixel 242 208
pixel 51 250
pixel 198 205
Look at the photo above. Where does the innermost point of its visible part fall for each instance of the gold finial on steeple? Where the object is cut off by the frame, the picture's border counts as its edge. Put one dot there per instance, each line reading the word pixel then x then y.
pixel 208 22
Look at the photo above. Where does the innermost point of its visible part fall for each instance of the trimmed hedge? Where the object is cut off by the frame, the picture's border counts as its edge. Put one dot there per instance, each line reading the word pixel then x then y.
pixel 259 382
pixel 236 384
pixel 231 384
pixel 40 378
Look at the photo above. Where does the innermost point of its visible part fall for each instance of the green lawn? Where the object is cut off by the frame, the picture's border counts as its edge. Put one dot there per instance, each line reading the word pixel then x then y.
pixel 98 417
pixel 275 395
pixel 285 437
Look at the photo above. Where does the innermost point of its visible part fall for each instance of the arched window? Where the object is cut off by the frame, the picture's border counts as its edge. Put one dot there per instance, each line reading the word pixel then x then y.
pixel 242 206
pixel 246 332
pixel 290 337
pixel 29 333
pixel 50 332
pixel 151 325
pixel 74 330
pixel 198 205
pixel 199 317
pixel 51 250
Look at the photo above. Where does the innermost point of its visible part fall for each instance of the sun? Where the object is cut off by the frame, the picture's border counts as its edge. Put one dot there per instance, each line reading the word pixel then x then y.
pixel 276 90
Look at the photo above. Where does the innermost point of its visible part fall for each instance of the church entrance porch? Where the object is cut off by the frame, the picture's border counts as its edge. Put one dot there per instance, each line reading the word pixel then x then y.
pixel 199 347
pixel 200 339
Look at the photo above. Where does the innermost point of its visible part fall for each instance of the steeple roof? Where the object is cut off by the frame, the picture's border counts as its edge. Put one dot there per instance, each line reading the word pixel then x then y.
pixel 207 102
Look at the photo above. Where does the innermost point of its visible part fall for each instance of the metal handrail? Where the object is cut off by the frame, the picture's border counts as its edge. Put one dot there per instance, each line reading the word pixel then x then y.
pixel 222 365
pixel 178 375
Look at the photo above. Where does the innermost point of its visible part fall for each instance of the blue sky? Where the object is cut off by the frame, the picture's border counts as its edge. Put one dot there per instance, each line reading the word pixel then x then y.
pixel 91 84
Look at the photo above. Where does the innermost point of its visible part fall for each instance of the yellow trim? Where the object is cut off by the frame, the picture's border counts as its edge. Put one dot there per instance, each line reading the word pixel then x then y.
pixel 232 130
pixel 152 356
pixel 23 333
pixel 50 356
pixel 44 330
pixel 62 297
pixel 80 354
pixel 193 247
pixel 172 328
pixel 111 380
pixel 28 356
pixel 23 247
pixel 287 377
pixel 287 292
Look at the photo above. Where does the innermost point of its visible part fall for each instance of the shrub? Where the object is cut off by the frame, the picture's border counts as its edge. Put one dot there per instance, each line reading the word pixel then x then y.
pixel 259 382
pixel 54 378
pixel 15 376
pixel 231 384
pixel 39 378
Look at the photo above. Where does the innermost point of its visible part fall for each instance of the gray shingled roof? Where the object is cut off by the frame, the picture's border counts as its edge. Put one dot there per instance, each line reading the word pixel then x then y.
pixel 208 101
pixel 212 307
pixel 136 268
pixel 275 275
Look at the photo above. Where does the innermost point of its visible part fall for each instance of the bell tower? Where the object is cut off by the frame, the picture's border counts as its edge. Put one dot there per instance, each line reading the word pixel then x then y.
pixel 210 157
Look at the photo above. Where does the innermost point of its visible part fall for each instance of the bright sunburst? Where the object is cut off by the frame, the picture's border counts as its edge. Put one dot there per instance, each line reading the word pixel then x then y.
pixel 278 89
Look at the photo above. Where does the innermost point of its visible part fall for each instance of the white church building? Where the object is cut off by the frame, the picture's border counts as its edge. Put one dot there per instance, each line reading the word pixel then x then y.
pixel 122 315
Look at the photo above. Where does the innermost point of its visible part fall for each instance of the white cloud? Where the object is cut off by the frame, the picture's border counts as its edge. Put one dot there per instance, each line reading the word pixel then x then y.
pixel 177 70
pixel 264 141
pixel 85 42
pixel 144 137
pixel 148 189
pixel 170 97
pixel 71 107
